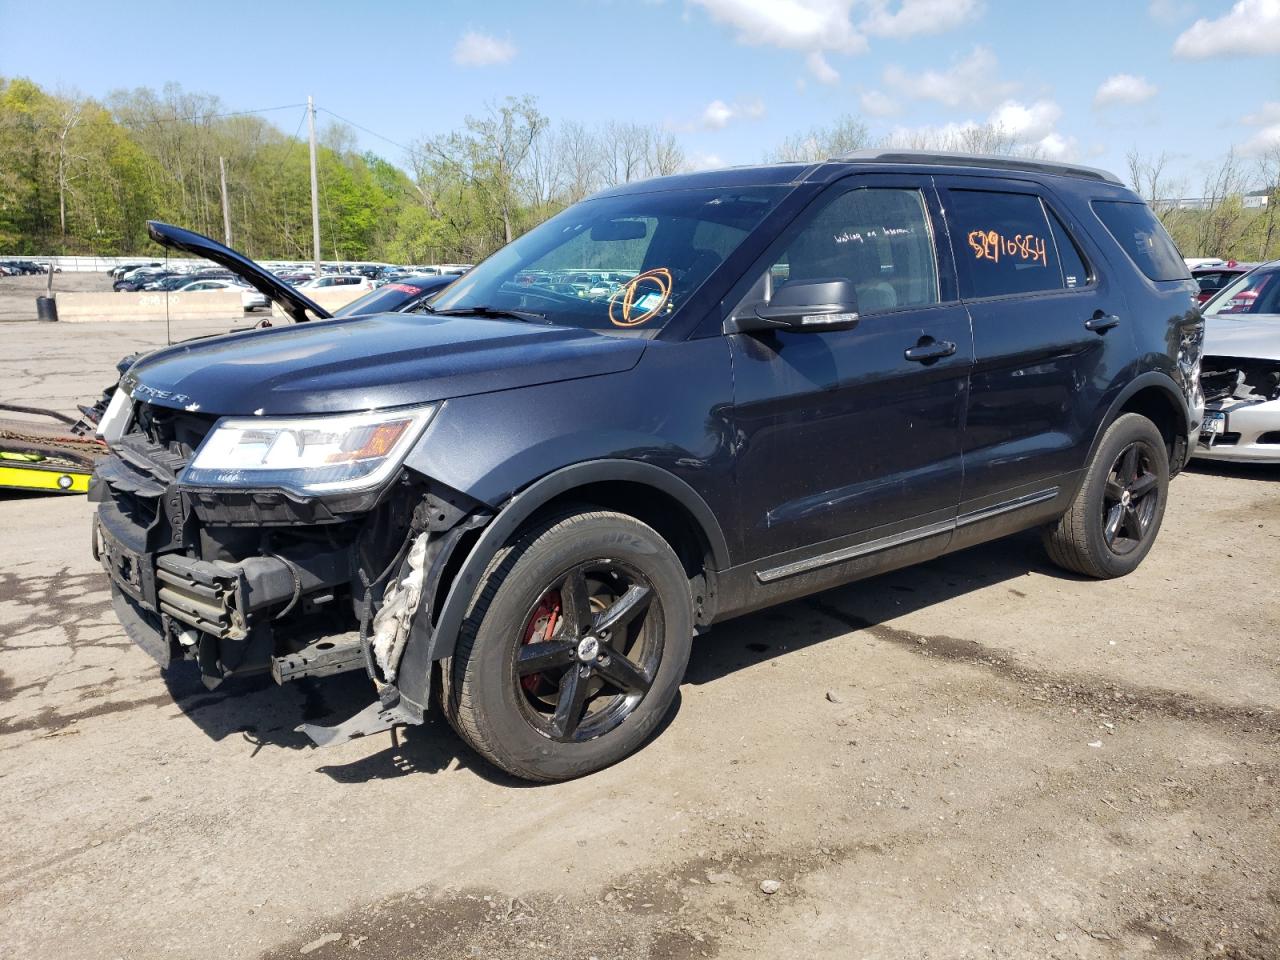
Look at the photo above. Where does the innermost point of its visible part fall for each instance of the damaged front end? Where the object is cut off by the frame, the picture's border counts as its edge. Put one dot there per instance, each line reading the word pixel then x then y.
pixel 1242 409
pixel 251 579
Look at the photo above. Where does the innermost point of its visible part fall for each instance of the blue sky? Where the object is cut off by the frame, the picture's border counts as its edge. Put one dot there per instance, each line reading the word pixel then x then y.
pixel 1086 81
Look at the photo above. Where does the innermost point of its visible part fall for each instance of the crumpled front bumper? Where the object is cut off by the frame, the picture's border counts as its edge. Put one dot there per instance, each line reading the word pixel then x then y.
pixel 1252 433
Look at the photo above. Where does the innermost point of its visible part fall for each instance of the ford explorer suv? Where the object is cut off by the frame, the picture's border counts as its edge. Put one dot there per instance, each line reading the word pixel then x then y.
pixel 520 502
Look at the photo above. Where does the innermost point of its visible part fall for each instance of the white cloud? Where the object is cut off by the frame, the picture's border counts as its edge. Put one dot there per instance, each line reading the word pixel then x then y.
pixel 1267 114
pixel 706 161
pixel 1249 28
pixel 481 50
pixel 805 25
pixel 822 71
pixel 1267 120
pixel 1026 122
pixel 970 82
pixel 915 17
pixel 1022 127
pixel 717 114
pixel 1054 146
pixel 877 103
pixel 812 27
pixel 1123 88
pixel 818 28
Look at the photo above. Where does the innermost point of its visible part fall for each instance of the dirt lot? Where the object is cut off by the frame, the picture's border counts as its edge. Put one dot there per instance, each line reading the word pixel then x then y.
pixel 980 757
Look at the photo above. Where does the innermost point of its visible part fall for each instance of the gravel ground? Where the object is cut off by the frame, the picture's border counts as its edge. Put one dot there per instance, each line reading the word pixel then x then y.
pixel 978 757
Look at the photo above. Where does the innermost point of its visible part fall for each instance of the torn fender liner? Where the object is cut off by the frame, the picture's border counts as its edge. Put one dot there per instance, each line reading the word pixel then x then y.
pixel 374 718
pixel 399 604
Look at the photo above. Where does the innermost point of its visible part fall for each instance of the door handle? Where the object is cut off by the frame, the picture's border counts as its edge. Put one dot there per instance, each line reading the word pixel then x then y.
pixel 1102 322
pixel 929 349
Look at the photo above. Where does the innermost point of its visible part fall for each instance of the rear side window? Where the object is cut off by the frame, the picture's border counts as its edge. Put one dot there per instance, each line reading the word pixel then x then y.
pixel 1142 238
pixel 1003 244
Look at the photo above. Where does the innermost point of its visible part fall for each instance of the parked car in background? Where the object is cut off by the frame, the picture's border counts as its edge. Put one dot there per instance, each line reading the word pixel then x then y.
pixel 397 296
pixel 337 280
pixel 119 271
pixel 1211 279
pixel 1240 373
pixel 530 501
pixel 24 267
pixel 250 299
pixel 139 277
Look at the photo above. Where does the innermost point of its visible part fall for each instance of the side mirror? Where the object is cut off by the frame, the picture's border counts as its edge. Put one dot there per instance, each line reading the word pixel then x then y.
pixel 802 306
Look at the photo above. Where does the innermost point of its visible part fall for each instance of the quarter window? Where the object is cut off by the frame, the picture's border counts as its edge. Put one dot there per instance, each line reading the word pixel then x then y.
pixel 1075 272
pixel 1004 244
pixel 877 237
pixel 1142 238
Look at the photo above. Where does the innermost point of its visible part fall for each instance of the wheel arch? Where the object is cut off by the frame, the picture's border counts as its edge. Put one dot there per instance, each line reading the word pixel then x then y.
pixel 647 492
pixel 1157 397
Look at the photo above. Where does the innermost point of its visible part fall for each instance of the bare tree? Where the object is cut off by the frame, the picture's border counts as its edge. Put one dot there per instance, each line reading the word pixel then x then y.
pixel 69 118
pixel 846 135
pixel 1269 179
pixel 1221 223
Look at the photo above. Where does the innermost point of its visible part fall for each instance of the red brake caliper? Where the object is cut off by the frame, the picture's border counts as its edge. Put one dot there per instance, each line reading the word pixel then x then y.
pixel 541 628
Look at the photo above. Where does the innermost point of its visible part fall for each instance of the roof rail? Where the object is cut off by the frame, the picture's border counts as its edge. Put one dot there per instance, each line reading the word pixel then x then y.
pixel 946 158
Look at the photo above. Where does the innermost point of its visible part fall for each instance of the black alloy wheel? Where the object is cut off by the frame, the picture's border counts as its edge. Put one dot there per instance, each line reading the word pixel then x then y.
pixel 585 659
pixel 1130 499
pixel 574 647
pixel 1112 522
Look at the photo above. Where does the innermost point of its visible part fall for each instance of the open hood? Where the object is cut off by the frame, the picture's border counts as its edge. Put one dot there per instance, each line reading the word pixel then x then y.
pixel 298 307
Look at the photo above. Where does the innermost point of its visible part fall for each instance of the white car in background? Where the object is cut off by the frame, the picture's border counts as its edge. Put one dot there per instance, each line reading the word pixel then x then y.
pixel 1240 372
pixel 250 299
pixel 352 281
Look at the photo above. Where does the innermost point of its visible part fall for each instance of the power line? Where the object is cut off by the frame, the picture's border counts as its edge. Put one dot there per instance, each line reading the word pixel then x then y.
pixel 352 123
pixel 207 116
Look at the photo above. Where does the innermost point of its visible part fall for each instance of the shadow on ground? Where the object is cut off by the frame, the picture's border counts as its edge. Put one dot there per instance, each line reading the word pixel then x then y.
pixel 266 716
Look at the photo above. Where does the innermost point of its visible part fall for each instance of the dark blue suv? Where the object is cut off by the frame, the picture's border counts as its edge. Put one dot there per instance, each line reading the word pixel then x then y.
pixel 673 403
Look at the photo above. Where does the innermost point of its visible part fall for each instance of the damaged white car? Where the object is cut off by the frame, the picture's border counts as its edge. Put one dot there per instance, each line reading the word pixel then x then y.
pixel 1240 373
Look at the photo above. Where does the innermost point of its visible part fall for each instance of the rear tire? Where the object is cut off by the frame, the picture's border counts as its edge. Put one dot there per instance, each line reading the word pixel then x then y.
pixel 1113 521
pixel 574 647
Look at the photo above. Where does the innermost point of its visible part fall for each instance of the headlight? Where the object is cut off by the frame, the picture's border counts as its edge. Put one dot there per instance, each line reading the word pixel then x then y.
pixel 308 455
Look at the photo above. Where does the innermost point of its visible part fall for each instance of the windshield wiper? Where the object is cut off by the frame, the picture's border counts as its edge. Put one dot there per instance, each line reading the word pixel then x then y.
pixel 494 312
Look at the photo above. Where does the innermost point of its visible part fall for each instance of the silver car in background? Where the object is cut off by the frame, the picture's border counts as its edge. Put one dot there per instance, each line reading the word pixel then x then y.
pixel 1240 372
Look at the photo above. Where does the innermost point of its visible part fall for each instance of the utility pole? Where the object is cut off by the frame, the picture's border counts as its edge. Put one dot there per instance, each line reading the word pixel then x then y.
pixel 315 190
pixel 226 210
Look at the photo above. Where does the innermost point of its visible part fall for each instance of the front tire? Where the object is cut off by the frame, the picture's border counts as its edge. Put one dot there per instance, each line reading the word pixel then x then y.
pixel 1113 521
pixel 574 647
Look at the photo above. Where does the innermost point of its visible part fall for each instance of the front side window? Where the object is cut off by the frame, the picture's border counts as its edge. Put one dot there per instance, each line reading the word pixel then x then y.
pixel 620 264
pixel 877 237
pixel 1003 244
pixel 1143 238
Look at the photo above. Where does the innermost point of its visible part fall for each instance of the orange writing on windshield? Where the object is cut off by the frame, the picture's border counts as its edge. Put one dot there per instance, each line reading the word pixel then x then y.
pixel 992 245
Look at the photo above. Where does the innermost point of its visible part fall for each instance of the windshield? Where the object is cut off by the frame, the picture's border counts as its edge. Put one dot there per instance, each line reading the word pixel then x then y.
pixel 615 263
pixel 1254 293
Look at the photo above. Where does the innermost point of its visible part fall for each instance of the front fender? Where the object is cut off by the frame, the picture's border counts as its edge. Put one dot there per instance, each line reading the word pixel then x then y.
pixel 434 632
